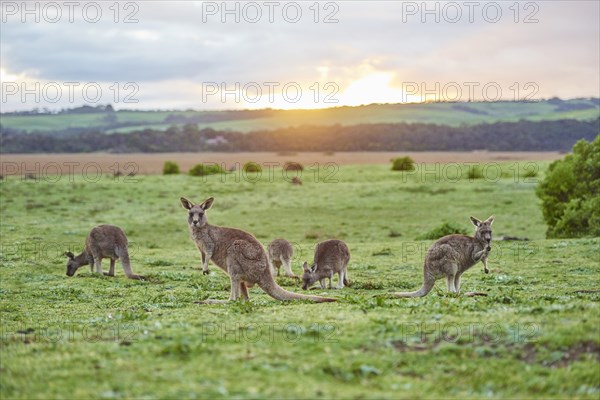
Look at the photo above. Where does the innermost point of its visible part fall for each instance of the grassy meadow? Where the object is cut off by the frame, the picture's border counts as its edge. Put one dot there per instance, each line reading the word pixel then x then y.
pixel 88 336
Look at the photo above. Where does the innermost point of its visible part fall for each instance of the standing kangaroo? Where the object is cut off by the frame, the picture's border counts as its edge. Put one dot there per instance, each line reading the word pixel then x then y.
pixel 103 241
pixel 452 255
pixel 280 253
pixel 331 256
pixel 236 252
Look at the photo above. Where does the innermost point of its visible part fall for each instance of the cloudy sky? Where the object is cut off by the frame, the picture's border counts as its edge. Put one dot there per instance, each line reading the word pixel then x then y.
pixel 212 55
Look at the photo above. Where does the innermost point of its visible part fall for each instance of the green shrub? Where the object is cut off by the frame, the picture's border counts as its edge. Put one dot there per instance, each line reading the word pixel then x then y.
pixel 170 168
pixel 475 173
pixel 206 169
pixel 447 228
pixel 570 193
pixel 403 164
pixel 252 167
pixel 529 173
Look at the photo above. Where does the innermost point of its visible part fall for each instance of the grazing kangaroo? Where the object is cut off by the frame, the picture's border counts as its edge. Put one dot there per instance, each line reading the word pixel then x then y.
pixel 280 253
pixel 331 256
pixel 236 252
pixel 452 255
pixel 103 241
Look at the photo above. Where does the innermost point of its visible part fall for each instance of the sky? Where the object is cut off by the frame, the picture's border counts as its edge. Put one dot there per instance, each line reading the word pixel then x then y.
pixel 305 54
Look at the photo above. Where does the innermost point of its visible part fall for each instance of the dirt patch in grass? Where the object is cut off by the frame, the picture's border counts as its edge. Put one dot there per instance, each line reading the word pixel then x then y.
pixel 404 347
pixel 528 353
pixel 562 358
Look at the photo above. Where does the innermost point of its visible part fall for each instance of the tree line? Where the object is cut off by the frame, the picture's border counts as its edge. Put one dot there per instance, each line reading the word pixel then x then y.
pixel 559 135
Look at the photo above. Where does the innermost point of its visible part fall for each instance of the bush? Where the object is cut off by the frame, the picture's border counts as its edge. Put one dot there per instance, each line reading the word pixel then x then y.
pixel 570 193
pixel 447 228
pixel 293 166
pixel 475 173
pixel 252 167
pixel 403 164
pixel 530 173
pixel 170 168
pixel 206 169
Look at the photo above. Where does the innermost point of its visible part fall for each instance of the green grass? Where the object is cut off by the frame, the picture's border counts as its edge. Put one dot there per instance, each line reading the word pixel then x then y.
pixel 100 337
pixel 52 122
pixel 437 113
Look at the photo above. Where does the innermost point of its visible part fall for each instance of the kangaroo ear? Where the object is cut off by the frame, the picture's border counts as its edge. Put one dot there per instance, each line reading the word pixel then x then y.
pixel 185 203
pixel 313 268
pixel 490 220
pixel 305 266
pixel 69 254
pixel 475 221
pixel 206 204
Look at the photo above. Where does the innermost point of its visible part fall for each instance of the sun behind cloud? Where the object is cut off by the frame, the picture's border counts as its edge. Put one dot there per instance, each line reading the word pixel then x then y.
pixel 372 88
pixel 364 86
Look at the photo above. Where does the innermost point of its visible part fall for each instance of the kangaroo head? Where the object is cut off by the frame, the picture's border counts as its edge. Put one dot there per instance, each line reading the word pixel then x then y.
pixel 72 264
pixel 309 276
pixel 197 212
pixel 483 230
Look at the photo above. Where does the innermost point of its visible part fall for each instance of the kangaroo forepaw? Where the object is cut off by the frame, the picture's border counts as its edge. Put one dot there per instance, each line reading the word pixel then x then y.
pixel 205 272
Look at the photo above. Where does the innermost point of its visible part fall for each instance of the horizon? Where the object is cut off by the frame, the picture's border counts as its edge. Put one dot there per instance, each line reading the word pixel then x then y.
pixel 116 109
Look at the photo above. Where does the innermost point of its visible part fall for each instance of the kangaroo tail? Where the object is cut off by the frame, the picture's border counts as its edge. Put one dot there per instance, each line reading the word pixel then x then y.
pixel 428 283
pixel 346 257
pixel 279 293
pixel 124 256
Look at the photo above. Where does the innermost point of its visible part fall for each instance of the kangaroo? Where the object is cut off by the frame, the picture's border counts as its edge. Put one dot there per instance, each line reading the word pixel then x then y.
pixel 238 253
pixel 280 253
pixel 103 241
pixel 452 255
pixel 331 256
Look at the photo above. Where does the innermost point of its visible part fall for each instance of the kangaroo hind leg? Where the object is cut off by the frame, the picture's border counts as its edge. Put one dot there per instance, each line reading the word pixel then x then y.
pixel 111 271
pixel 287 264
pixel 450 281
pixel 457 283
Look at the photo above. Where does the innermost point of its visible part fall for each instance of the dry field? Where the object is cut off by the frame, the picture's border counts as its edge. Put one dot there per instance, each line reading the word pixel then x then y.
pixel 147 164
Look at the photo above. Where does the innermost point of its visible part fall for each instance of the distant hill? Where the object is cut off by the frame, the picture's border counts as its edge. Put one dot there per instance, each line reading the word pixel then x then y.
pixel 104 119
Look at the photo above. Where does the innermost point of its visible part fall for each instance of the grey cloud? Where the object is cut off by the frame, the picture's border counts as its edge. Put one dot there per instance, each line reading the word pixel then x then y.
pixel 181 47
